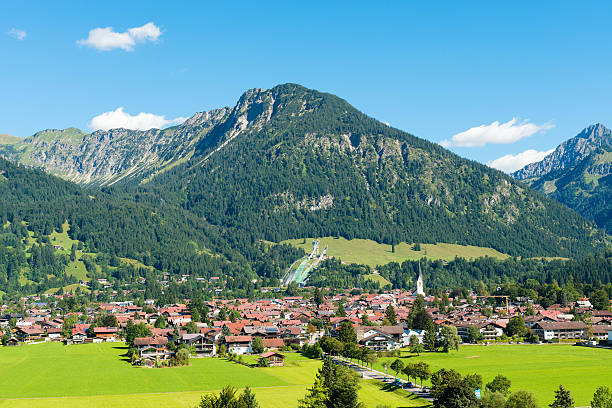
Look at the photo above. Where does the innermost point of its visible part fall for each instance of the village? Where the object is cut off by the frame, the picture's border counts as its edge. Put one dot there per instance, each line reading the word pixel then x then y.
pixel 267 327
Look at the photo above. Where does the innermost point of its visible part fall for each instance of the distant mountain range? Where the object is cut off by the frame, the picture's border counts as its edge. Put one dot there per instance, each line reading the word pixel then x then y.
pixel 292 162
pixel 578 174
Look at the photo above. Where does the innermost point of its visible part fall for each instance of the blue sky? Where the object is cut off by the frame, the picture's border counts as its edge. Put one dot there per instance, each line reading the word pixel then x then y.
pixel 433 69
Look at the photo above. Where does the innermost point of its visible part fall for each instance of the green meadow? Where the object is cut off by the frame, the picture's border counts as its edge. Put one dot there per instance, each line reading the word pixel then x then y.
pixel 368 252
pixel 95 375
pixel 536 368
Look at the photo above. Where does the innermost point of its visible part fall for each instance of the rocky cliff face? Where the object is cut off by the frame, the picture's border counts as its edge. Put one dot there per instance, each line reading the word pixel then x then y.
pixel 109 157
pixel 578 174
pixel 569 153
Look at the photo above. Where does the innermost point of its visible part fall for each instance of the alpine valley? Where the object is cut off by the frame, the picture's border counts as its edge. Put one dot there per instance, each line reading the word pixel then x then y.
pixel 214 195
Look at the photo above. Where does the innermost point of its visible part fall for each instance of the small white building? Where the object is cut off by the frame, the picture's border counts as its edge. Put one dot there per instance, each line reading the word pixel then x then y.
pixel 239 344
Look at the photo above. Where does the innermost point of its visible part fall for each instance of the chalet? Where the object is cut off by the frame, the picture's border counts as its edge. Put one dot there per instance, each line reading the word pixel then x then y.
pixel 239 344
pixel 13 341
pixel 200 344
pixel 274 359
pixel 266 332
pixel 492 330
pixel 151 350
pixel 30 333
pixel 105 333
pixel 377 340
pixel 78 336
pixel 273 344
pixel 584 302
pixel 54 333
pixel 600 332
pixel 560 330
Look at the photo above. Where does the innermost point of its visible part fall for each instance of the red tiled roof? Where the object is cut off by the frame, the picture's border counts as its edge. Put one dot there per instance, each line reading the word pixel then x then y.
pixel 238 339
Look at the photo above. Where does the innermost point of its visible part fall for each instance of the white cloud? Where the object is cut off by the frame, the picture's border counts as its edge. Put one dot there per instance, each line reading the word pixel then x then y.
pixel 496 133
pixel 106 39
pixel 142 121
pixel 513 162
pixel 17 34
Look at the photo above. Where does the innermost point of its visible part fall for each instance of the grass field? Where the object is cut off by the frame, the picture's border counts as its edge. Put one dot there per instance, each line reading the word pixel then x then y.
pixel 536 368
pixel 371 253
pixel 94 375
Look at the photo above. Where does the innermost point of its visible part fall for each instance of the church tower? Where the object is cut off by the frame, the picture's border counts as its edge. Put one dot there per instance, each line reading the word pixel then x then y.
pixel 419 290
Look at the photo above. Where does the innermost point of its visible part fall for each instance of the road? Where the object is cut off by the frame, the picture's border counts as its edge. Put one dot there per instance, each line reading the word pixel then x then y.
pixel 370 373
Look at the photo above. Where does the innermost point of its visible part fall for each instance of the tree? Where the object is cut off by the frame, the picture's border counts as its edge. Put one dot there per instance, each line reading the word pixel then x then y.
pixel 367 356
pixel 135 330
pixel 474 334
pixel 516 327
pixel 340 312
pixel 182 356
pixel 563 398
pixel 499 384
pixel 195 316
pixel 386 364
pixel 192 328
pixel 416 348
pixel 473 381
pixel 449 338
pixel 73 252
pixel 335 387
pixel 423 371
pixel 456 395
pixel 247 399
pixel 602 398
pixel 257 345
pixel 429 339
pixel 365 320
pixel 600 299
pixel 493 400
pixel 411 371
pixel 317 297
pixel 227 398
pixel 391 315
pixel 69 323
pixel 346 333
pixel 397 365
pixel 160 323
pixel 316 396
pixel 521 399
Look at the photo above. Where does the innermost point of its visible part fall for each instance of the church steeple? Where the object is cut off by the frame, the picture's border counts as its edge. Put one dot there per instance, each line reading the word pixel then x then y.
pixel 419 289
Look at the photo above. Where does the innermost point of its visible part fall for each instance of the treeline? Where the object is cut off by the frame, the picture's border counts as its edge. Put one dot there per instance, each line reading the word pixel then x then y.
pixel 550 280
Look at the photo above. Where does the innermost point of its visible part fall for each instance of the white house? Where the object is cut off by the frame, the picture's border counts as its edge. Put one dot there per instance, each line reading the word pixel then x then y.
pixel 239 344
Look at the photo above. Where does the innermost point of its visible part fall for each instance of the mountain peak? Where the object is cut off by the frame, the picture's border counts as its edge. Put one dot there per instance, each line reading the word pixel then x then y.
pixel 569 153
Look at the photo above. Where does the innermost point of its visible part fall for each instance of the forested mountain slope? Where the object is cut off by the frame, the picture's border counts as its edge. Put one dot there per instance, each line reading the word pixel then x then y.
pixel 169 239
pixel 578 174
pixel 290 162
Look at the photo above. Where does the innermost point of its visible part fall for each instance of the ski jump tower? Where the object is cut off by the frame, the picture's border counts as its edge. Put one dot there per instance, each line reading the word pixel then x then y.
pixel 315 249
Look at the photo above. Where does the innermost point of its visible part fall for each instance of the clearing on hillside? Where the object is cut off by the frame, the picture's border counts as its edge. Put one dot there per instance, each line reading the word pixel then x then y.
pixel 368 252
